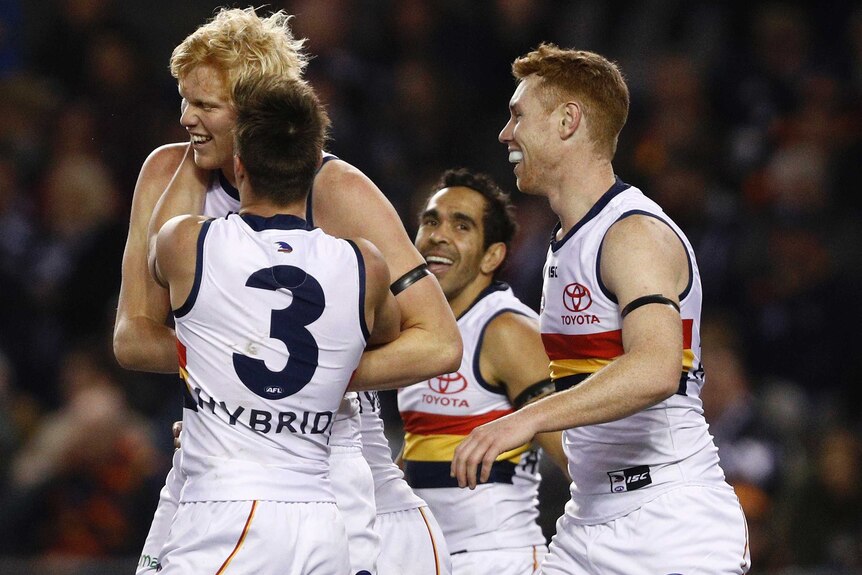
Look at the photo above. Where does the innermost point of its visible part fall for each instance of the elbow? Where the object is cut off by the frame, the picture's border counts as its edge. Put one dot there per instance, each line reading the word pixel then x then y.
pixel 666 383
pixel 127 350
pixel 123 351
pixel 450 354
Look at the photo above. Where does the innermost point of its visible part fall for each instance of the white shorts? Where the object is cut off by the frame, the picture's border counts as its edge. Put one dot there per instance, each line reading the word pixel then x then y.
pixel 261 537
pixel 411 542
pixel 353 486
pixel 693 530
pixel 169 498
pixel 518 561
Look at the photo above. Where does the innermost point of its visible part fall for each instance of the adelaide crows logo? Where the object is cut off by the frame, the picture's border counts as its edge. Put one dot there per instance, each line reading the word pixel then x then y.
pixel 284 247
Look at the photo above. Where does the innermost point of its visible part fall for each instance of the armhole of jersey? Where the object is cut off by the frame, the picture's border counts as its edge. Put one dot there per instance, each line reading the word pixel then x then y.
pixel 360 264
pixel 500 390
pixel 309 201
pixel 199 270
pixel 610 295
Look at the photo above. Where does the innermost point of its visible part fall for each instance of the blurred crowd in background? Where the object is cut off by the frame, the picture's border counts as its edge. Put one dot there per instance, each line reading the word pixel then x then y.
pixel 746 126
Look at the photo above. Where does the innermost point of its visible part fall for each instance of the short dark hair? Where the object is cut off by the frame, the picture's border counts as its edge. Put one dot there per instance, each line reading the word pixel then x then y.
pixel 280 131
pixel 498 220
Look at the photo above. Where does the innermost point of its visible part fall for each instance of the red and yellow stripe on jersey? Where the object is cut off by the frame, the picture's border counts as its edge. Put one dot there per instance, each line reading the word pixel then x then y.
pixel 429 446
pixel 574 357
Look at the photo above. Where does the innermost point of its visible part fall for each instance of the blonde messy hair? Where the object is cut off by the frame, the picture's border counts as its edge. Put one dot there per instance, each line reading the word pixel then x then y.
pixel 587 77
pixel 243 46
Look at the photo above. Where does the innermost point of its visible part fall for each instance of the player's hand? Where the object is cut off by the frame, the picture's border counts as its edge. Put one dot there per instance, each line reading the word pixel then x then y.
pixel 177 429
pixel 476 454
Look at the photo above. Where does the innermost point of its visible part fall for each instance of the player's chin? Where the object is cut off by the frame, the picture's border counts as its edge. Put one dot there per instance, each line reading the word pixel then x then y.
pixel 207 162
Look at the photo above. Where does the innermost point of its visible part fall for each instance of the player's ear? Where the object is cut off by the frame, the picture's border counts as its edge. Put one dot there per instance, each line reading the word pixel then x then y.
pixel 570 119
pixel 493 258
pixel 238 169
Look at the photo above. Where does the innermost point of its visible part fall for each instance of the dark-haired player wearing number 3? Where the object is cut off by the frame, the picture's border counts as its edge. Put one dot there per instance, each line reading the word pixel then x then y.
pixel 620 321
pixel 272 317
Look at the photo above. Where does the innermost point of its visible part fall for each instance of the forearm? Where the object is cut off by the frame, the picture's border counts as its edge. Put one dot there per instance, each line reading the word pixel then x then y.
pixel 623 388
pixel 429 344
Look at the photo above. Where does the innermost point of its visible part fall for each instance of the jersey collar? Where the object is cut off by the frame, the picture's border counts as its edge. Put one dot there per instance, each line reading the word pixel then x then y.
pixel 616 189
pixel 277 222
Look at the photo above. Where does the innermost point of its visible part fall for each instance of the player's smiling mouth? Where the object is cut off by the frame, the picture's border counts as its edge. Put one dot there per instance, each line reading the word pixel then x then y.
pixel 438 264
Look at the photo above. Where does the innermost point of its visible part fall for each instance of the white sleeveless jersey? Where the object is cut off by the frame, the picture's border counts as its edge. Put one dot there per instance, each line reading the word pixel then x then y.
pixel 349 430
pixel 221 199
pixel 439 413
pixel 268 339
pixel 391 492
pixel 617 466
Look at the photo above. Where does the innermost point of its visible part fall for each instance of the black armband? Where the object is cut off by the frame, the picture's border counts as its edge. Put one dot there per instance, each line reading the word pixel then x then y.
pixel 535 391
pixel 646 300
pixel 409 279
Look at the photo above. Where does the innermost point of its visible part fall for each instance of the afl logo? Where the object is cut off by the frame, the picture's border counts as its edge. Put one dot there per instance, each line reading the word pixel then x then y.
pixel 576 297
pixel 448 384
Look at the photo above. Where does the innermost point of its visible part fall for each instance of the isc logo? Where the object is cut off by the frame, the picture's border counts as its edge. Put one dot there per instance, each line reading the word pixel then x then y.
pixel 623 480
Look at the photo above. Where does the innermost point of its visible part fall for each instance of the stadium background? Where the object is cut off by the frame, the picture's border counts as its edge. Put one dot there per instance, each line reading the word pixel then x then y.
pixel 746 125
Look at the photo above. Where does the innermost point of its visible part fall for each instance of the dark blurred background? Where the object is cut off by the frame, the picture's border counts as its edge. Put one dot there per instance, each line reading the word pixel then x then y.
pixel 746 126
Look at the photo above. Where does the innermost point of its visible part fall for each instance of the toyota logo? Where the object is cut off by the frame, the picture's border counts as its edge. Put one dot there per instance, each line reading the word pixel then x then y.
pixel 576 297
pixel 448 384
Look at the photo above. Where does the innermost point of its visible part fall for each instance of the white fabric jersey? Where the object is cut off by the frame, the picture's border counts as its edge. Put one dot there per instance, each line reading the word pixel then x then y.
pixel 268 338
pixel 439 413
pixel 617 466
pixel 391 491
pixel 221 199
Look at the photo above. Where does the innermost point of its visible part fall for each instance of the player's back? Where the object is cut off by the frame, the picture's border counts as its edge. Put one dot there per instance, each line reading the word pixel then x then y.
pixel 268 338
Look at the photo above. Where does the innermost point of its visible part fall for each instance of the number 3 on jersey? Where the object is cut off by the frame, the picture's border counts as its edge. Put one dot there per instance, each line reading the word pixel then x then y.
pixel 289 326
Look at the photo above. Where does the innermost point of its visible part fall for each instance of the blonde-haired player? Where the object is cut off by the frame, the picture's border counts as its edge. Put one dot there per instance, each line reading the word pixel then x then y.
pixel 272 317
pixel 343 202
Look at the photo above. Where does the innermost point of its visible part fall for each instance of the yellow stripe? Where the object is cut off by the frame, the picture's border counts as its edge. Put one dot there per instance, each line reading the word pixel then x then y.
pixel 239 543
pixel 687 359
pixel 442 448
pixel 566 367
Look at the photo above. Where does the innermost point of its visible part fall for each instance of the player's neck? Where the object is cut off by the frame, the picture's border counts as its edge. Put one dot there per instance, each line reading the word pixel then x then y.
pixel 462 301
pixel 266 209
pixel 579 195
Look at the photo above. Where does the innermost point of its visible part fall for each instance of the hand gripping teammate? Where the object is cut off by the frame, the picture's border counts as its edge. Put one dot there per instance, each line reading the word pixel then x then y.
pixel 234 45
pixel 620 321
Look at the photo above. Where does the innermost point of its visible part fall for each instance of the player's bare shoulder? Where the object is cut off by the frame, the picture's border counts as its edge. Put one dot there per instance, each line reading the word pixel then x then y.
pixel 165 159
pixel 345 200
pixel 156 173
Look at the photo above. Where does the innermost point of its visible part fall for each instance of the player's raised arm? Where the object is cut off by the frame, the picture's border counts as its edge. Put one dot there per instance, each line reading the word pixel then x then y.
pixel 184 194
pixel 142 341
pixel 429 343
